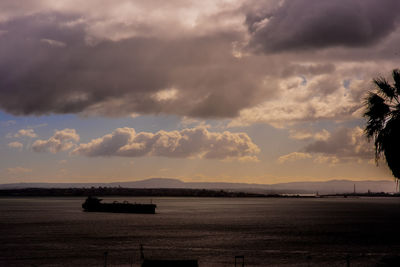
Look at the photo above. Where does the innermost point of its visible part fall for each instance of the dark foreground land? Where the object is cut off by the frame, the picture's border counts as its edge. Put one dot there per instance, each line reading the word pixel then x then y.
pixel 54 231
pixel 120 191
pixel 166 192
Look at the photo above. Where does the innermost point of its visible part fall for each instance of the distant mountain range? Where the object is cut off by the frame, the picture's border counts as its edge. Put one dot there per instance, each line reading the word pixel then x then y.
pixel 326 187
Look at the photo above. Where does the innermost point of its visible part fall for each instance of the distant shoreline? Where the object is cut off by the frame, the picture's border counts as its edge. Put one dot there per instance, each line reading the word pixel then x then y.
pixel 167 192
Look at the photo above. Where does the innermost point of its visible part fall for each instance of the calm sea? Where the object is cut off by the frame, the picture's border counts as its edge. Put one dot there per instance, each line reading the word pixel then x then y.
pixel 266 231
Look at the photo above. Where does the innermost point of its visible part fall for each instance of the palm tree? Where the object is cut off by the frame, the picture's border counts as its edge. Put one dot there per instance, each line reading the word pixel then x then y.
pixel 383 121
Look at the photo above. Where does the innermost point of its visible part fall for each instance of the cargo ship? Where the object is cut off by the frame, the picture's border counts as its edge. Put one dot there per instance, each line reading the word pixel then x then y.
pixel 94 204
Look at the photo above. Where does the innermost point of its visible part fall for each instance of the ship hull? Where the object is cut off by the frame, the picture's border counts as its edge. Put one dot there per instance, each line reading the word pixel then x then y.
pixel 94 205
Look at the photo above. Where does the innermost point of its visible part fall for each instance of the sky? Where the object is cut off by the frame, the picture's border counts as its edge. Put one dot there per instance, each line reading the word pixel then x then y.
pixel 227 91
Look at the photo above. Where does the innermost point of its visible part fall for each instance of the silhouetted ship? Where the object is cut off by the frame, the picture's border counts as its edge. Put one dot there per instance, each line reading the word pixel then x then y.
pixel 94 204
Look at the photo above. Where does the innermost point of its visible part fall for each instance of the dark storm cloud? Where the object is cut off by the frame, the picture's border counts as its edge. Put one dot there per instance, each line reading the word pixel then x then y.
pixel 98 61
pixel 309 24
pixel 48 64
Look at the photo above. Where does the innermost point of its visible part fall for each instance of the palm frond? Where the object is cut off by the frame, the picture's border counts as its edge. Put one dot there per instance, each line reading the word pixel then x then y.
pixel 385 88
pixel 396 78
pixel 376 112
pixel 379 144
pixel 382 111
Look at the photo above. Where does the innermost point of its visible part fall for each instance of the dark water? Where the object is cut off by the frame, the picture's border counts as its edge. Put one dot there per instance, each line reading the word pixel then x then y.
pixel 267 232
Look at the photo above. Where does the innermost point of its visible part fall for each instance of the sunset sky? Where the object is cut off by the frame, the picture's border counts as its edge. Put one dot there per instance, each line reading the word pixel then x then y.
pixel 229 90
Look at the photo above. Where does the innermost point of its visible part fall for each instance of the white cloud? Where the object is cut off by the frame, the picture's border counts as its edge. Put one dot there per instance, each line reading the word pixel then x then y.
pixel 53 43
pixel 344 144
pixel 322 135
pixel 37 125
pixel 188 143
pixel 322 97
pixel 61 140
pixel 18 170
pixel 331 160
pixel 303 134
pixel 66 134
pixel 166 94
pixel 249 159
pixel 294 156
pixel 134 115
pixel 188 121
pixel 26 133
pixel 17 145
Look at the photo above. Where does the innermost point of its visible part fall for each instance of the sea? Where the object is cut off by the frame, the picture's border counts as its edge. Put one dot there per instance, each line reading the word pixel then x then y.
pixel 54 231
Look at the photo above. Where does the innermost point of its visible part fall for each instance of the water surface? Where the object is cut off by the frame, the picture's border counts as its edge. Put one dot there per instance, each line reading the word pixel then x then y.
pixel 266 231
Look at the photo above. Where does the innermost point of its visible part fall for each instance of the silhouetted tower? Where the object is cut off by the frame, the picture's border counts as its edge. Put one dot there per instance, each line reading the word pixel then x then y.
pixel 105 258
pixel 237 259
pixel 141 253
pixel 354 189
pixel 348 260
